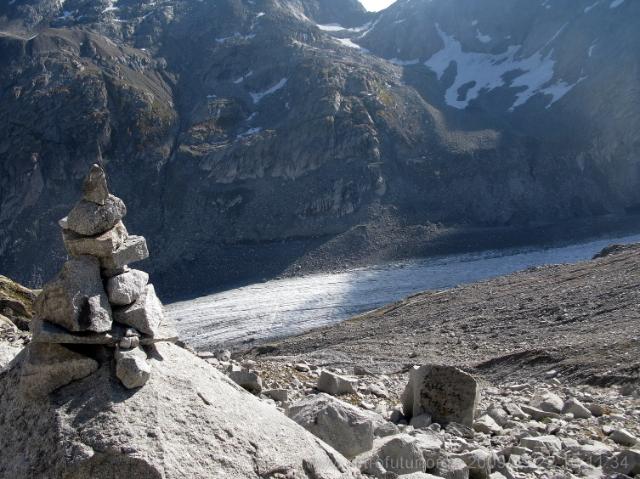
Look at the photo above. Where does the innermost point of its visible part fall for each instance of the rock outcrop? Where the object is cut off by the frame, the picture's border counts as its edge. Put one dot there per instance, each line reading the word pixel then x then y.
pixel 188 420
pixel 16 302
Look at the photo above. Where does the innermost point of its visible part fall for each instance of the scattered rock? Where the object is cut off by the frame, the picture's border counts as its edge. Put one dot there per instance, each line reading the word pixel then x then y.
pixel 76 299
pixel 548 402
pixel 335 384
pixel 623 437
pixel 487 425
pixel 452 468
pixel 127 287
pixel 223 355
pixel 445 392
pixel 341 425
pixel 544 444
pixel 625 462
pixel 302 367
pixel 132 367
pixel 539 414
pixel 90 219
pixel 399 454
pixel 576 408
pixel 478 461
pixel 278 395
pixel 248 380
pixel 378 390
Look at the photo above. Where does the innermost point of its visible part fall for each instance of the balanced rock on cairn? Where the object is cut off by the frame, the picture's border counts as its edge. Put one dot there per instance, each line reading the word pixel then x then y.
pixel 97 308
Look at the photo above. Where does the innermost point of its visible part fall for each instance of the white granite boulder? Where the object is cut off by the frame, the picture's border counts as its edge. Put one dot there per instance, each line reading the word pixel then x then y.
pixel 127 287
pixel 145 314
pixel 76 299
pixel 445 392
pixel 339 424
pixel 132 367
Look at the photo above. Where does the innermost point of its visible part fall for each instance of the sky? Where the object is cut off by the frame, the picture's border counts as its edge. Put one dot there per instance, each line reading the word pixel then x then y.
pixel 375 5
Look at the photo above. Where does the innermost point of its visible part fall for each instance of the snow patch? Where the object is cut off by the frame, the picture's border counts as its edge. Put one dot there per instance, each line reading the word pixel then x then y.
pixel 336 27
pixel 249 132
pixel 348 43
pixel 591 7
pixel 403 63
pixel 616 3
pixel 477 72
pixel 558 90
pixel 482 38
pixel 257 97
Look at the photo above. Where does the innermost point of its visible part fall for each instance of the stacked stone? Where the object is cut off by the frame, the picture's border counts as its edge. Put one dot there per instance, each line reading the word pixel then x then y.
pixel 96 303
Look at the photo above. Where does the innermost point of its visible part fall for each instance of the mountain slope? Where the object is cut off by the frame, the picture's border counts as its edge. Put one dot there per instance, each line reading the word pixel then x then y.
pixel 247 134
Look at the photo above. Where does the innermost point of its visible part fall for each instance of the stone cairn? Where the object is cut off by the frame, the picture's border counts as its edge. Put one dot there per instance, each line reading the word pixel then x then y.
pixel 97 309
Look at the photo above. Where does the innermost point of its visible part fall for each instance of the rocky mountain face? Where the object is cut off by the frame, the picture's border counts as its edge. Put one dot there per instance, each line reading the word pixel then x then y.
pixel 244 135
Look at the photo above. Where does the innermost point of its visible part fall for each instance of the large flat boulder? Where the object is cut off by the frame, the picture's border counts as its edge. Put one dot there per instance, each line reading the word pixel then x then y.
pixel 48 367
pixel 101 246
pixel 76 299
pixel 189 420
pixel 339 424
pixel 445 392
pixel 90 219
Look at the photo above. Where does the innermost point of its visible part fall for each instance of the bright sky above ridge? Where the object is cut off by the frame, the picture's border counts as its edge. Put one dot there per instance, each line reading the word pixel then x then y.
pixel 375 5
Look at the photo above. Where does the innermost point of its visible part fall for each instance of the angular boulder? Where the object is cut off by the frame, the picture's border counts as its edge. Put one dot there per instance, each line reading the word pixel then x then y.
pixel 91 219
pixel 445 392
pixel 623 437
pixel 576 408
pixel 248 380
pixel 188 421
pixel 335 384
pixel 145 314
pixel 548 402
pixel 133 249
pixel 100 246
pixel 400 454
pixel 132 368
pixel 544 444
pixel 452 468
pixel 479 462
pixel 47 367
pixel 76 299
pixel 127 287
pixel 625 462
pixel 339 424
pixel 95 188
